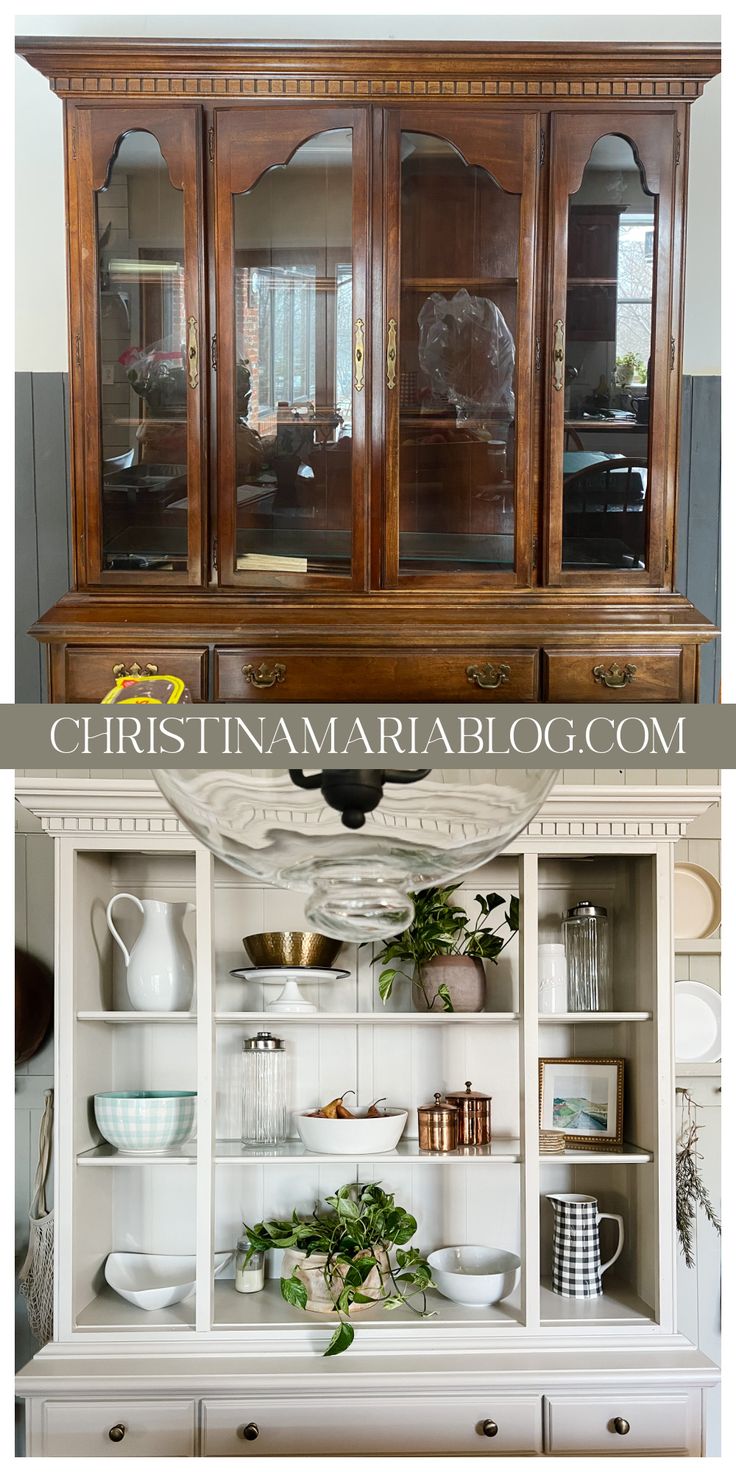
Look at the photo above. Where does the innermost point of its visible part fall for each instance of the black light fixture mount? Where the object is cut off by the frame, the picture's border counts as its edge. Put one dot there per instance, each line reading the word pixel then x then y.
pixel 354 793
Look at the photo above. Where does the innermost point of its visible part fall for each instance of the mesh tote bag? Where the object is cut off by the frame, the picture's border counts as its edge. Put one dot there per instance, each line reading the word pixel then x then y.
pixel 37 1272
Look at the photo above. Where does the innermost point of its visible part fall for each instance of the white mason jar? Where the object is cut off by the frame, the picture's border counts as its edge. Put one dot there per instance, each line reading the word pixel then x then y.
pixel 552 977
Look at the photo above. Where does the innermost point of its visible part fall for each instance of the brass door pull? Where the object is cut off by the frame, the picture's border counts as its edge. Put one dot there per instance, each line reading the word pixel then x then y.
pixel 621 1426
pixel 558 355
pixel 615 678
pixel 250 1432
pixel 488 676
pixel 489 1428
pixel 133 671
pixel 391 353
pixel 116 1433
pixel 359 355
pixel 193 351
pixel 265 676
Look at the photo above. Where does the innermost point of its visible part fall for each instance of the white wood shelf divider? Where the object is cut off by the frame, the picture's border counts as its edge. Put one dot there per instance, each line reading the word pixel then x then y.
pixel 369 1019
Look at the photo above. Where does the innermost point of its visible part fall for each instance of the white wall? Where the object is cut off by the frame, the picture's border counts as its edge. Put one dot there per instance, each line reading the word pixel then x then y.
pixel 40 269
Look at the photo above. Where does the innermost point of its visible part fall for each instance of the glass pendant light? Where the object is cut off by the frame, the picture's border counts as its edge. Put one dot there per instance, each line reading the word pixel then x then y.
pixel 357 843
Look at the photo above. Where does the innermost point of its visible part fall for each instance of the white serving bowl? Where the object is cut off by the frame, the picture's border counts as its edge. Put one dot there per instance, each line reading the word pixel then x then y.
pixel 151 1281
pixel 476 1276
pixel 146 1121
pixel 359 1136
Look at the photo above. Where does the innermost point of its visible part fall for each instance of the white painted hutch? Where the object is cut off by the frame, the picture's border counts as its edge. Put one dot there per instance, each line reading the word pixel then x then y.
pixel 536 1375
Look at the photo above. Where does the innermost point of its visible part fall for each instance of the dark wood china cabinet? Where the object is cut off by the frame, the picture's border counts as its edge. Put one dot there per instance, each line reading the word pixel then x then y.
pixel 375 368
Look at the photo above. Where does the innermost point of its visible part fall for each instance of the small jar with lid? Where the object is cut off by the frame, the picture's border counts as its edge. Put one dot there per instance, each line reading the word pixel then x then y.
pixel 264 1090
pixel 250 1266
pixel 438 1125
pixel 474 1116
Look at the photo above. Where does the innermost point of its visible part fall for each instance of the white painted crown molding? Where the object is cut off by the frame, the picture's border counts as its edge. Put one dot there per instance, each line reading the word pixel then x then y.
pixel 78 804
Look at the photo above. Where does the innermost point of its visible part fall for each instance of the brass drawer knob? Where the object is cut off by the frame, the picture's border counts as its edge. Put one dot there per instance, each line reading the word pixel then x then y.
pixel 133 671
pixel 250 1432
pixel 116 1433
pixel 488 676
pixel 490 1428
pixel 265 676
pixel 621 1426
pixel 614 677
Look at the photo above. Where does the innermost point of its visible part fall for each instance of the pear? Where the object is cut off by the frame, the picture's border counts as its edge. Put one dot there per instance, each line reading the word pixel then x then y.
pixel 374 1112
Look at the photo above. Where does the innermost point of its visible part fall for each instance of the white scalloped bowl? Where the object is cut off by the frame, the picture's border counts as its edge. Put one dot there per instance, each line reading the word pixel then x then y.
pixel 148 1280
pixel 359 1136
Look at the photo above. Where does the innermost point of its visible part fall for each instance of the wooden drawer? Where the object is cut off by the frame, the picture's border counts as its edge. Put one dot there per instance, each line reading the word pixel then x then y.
pixel 151 1428
pixel 613 673
pixel 411 674
pixel 667 1425
pixel 365 1425
pixel 89 673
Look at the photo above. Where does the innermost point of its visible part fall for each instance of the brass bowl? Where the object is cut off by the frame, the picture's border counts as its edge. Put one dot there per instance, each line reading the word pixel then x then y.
pixel 292 948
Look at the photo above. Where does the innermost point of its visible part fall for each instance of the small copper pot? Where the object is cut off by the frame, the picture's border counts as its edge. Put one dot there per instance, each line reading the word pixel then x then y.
pixel 438 1125
pixel 474 1116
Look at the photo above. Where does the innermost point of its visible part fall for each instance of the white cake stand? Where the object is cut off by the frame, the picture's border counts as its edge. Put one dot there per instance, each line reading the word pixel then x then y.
pixel 290 998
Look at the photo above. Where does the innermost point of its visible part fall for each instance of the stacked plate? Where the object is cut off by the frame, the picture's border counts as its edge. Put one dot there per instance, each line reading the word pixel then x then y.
pixel 551 1142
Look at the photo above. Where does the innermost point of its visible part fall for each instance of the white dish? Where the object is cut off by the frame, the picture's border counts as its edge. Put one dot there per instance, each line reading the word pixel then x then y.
pixel 697 902
pixel 152 1281
pixel 290 998
pixel 360 1136
pixel 697 1023
pixel 476 1276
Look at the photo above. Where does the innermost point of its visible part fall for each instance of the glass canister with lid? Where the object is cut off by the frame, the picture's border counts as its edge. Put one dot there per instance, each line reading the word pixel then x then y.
pixel 586 934
pixel 264 1090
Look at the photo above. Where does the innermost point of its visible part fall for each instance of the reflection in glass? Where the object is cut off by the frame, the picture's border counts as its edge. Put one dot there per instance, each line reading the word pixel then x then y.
pixel 457 381
pixel 143 388
pixel 608 375
pixel 294 344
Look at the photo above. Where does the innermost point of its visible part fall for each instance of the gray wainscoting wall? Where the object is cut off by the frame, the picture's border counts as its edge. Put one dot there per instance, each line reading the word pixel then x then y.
pixel 43 519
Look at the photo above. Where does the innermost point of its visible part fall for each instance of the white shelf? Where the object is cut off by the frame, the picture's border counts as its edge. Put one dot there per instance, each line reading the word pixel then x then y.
pixel 501 1152
pixel 268 1310
pixel 107 1155
pixel 709 947
pixel 623 1155
pixel 698 1070
pixel 109 1311
pixel 550 1018
pixel 618 1304
pixel 136 1017
pixel 372 1019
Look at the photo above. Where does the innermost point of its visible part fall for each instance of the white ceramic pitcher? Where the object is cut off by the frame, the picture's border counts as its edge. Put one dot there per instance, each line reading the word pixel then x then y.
pixel 158 968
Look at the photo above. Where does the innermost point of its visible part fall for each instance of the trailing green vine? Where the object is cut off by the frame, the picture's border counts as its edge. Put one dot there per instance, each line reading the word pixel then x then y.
pixel 690 1190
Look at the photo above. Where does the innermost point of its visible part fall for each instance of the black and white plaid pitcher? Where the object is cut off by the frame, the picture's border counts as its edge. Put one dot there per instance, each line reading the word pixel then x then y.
pixel 576 1249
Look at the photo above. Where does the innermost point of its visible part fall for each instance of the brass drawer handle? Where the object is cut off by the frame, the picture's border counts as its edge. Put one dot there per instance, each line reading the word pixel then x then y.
pixel 489 1428
pixel 193 351
pixel 391 353
pixel 621 1426
pixel 558 355
pixel 488 676
pixel 133 671
pixel 615 678
pixel 250 1432
pixel 116 1433
pixel 265 675
pixel 359 355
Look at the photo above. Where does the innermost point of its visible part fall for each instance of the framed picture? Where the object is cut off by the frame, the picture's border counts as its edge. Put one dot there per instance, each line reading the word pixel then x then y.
pixel 584 1097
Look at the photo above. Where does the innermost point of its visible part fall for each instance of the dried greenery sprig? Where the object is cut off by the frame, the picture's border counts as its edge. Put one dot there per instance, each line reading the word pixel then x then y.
pixel 690 1191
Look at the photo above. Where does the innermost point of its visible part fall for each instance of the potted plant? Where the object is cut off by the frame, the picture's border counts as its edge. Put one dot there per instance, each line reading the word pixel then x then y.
pixel 447 951
pixel 347 1259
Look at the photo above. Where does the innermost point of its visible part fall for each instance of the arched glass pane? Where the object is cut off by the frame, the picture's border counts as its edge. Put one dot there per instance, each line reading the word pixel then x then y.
pixel 293 234
pixel 143 389
pixel 457 381
pixel 612 241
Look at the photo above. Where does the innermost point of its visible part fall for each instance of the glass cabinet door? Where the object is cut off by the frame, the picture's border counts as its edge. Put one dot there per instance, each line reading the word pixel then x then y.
pixel 292 340
pixel 610 347
pixel 458 364
pixel 140 347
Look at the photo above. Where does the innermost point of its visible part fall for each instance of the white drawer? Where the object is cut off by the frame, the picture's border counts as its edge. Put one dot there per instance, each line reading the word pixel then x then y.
pixel 596 1425
pixel 324 1426
pixel 151 1428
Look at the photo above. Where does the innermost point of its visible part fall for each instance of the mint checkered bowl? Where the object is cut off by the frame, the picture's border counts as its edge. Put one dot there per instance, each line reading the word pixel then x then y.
pixel 148 1121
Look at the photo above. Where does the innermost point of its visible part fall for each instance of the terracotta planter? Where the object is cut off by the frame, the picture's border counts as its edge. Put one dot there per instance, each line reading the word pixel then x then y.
pixel 311 1272
pixel 464 978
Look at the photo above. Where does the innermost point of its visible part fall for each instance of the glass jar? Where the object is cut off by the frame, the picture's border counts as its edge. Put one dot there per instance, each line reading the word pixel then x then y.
pixel 552 978
pixel 587 948
pixel 264 1090
pixel 250 1272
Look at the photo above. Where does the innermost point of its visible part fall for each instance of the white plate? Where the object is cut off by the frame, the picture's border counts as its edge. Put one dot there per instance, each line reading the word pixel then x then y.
pixel 697 1023
pixel 277 975
pixel 150 1280
pixel 697 902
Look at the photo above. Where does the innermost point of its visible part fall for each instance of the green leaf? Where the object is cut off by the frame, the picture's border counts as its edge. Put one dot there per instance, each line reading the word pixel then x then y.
pixel 341 1339
pixel 406 1229
pixel 385 983
pixel 294 1292
pixel 512 914
pixel 446 998
pixel 348 1208
pixel 493 901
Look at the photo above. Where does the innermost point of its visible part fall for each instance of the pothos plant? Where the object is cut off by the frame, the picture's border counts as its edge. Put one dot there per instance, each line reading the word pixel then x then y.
pixel 442 928
pixel 364 1231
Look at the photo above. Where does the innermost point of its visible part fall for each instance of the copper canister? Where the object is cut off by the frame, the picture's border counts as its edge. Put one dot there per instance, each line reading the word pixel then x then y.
pixel 438 1125
pixel 474 1116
